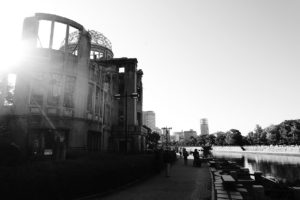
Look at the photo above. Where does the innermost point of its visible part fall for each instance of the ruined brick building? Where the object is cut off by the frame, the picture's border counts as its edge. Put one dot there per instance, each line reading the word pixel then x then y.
pixel 65 91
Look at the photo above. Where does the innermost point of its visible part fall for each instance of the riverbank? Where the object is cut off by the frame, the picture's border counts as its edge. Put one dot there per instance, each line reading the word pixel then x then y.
pixel 280 166
pixel 263 149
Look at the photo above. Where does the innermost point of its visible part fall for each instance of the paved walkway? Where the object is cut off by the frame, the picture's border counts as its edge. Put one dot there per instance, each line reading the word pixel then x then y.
pixel 185 183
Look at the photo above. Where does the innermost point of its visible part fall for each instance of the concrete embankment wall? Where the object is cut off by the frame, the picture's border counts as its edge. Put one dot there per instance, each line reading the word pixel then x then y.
pixel 264 149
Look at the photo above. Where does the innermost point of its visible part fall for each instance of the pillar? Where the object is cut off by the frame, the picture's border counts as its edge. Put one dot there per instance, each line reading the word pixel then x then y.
pixel 258 176
pixel 296 192
pixel 258 192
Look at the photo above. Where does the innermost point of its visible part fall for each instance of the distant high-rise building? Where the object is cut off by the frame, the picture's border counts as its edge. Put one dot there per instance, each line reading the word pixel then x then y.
pixel 189 134
pixel 149 119
pixel 179 136
pixel 204 126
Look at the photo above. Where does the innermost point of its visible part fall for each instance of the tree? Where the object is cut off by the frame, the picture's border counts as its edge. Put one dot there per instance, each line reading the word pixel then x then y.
pixel 211 139
pixel 220 139
pixel 250 138
pixel 152 139
pixel 258 129
pixel 193 141
pixel 263 138
pixel 257 134
pixel 285 133
pixel 295 132
pixel 245 140
pixel 234 137
pixel 296 136
pixel 201 140
pixel 273 135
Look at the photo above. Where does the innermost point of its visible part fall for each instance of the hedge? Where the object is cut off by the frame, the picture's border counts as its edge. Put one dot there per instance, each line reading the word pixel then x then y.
pixel 76 177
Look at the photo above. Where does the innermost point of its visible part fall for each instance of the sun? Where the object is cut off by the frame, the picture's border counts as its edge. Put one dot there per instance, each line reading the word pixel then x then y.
pixel 11 56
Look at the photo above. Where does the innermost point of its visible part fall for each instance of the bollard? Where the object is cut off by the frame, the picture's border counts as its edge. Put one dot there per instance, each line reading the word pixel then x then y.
pixel 258 176
pixel 245 170
pixel 258 192
pixel 296 192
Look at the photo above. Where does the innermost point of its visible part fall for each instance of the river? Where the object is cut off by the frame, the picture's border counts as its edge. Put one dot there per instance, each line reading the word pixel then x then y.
pixel 283 168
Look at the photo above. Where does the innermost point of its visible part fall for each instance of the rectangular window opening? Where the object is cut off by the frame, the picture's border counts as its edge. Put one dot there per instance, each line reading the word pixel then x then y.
pixel 90 98
pixel 98 100
pixel 59 36
pixel 73 40
pixel 54 90
pixel 121 69
pixel 37 89
pixel 69 92
pixel 7 89
pixel 92 53
pixel 44 33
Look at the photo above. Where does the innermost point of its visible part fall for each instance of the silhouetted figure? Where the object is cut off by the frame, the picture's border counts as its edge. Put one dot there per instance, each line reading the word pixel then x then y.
pixel 197 161
pixel 159 160
pixel 180 153
pixel 167 160
pixel 185 156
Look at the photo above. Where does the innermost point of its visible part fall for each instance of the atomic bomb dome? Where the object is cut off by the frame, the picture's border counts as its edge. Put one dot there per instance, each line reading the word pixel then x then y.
pixel 100 45
pixel 70 85
pixel 97 38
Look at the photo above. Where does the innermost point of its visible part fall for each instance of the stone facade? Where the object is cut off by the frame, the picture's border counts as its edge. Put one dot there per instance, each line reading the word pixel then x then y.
pixel 64 94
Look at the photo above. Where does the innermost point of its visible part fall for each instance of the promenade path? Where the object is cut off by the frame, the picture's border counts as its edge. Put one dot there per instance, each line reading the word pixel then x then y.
pixel 185 183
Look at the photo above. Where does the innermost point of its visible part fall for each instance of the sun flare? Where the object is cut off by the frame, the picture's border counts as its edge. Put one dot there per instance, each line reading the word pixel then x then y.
pixel 12 56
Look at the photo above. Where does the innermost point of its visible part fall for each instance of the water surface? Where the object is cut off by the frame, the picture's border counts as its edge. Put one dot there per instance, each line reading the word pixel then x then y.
pixel 283 168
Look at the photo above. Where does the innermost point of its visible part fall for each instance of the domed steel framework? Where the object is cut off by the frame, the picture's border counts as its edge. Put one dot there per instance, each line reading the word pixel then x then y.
pixel 97 38
pixel 100 39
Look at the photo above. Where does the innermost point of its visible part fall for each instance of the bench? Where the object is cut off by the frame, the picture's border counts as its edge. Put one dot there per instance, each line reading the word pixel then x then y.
pixel 227 178
pixel 228 181
pixel 212 163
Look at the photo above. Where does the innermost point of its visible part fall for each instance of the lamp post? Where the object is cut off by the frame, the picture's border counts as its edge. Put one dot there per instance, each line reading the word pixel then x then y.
pixel 118 96
pixel 167 129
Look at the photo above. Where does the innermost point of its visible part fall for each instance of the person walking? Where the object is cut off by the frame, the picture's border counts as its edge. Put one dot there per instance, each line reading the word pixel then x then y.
pixel 167 156
pixel 180 153
pixel 185 156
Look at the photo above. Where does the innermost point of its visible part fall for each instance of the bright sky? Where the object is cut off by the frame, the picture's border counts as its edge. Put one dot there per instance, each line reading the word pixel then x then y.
pixel 234 62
